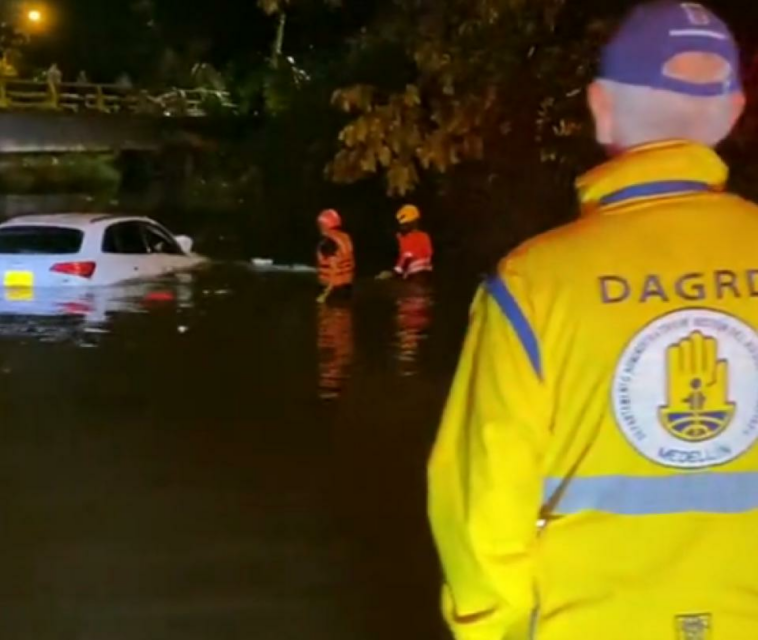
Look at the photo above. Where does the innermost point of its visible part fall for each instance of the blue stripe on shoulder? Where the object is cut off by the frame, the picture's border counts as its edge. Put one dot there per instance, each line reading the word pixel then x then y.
pixel 652 189
pixel 507 303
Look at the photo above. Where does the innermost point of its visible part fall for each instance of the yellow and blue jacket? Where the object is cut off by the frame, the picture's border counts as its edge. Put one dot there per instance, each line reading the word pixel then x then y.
pixel 608 389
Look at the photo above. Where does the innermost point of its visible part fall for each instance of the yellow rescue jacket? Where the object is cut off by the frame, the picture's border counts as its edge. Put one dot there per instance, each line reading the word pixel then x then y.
pixel 608 388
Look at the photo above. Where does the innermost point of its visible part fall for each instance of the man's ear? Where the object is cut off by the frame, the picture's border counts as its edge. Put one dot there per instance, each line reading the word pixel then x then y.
pixel 738 107
pixel 601 105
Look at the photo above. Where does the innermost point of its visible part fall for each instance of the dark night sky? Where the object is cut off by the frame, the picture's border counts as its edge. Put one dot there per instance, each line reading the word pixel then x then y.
pixel 742 15
pixel 107 36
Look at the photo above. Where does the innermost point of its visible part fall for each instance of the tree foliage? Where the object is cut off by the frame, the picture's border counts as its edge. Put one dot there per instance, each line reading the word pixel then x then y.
pixel 485 72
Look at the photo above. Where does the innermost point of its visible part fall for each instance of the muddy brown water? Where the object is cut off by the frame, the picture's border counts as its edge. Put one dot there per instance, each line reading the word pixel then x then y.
pixel 215 457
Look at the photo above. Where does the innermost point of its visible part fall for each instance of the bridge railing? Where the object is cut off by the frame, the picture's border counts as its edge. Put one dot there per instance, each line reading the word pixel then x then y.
pixel 74 97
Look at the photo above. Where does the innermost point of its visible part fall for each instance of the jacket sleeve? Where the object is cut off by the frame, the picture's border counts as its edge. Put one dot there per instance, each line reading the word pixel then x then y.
pixel 485 480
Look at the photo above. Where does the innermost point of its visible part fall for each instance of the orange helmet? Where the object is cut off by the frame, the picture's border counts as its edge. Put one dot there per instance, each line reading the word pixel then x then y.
pixel 330 219
pixel 408 214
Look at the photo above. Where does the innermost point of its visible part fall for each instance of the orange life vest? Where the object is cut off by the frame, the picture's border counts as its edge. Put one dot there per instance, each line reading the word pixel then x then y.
pixel 415 253
pixel 337 270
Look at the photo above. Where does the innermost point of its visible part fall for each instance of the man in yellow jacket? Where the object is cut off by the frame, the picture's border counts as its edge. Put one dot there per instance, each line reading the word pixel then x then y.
pixel 596 475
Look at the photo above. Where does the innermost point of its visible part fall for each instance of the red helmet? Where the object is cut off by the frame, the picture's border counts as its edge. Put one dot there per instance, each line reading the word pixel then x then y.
pixel 330 219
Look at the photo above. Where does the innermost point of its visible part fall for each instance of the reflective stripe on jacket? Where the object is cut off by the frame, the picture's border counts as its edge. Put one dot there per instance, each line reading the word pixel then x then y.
pixel 415 253
pixel 337 270
pixel 609 387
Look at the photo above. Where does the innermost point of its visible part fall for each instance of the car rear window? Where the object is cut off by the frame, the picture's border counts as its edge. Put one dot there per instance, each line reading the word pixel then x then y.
pixel 40 240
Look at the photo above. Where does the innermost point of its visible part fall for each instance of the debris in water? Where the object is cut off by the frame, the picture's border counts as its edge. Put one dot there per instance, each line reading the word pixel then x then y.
pixel 265 264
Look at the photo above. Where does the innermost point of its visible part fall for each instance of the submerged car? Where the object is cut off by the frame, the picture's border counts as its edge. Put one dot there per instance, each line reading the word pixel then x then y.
pixel 89 250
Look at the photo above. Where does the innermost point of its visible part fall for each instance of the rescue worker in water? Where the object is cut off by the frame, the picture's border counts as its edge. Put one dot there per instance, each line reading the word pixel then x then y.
pixel 595 476
pixel 335 257
pixel 415 250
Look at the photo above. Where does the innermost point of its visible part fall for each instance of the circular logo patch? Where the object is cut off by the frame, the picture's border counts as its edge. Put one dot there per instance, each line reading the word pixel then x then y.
pixel 685 392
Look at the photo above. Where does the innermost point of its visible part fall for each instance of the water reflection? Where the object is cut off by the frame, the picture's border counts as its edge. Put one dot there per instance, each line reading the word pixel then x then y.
pixel 168 484
pixel 80 314
pixel 335 348
pixel 413 316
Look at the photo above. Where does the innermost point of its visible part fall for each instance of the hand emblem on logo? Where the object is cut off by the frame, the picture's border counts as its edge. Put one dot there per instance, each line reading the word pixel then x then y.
pixel 698 387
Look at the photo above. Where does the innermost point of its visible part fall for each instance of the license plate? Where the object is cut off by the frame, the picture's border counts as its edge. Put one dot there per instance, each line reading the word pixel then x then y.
pixel 22 279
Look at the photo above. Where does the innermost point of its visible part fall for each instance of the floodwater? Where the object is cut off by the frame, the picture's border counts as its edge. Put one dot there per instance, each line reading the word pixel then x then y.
pixel 217 457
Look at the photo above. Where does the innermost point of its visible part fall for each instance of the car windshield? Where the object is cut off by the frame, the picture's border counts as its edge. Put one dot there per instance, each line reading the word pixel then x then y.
pixel 40 240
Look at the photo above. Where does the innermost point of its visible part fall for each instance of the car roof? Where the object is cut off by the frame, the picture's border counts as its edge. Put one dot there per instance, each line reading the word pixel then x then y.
pixel 71 220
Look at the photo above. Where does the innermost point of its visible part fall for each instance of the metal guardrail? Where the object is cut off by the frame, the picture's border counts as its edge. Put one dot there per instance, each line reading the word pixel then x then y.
pixel 74 97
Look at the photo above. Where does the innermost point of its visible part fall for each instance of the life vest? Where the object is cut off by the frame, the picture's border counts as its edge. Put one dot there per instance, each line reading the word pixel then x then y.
pixel 337 270
pixel 416 253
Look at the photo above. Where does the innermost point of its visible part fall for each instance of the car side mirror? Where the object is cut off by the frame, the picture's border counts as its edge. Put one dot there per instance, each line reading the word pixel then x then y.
pixel 185 243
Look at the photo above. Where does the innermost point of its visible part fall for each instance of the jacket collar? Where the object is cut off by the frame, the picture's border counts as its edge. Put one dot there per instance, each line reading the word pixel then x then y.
pixel 651 171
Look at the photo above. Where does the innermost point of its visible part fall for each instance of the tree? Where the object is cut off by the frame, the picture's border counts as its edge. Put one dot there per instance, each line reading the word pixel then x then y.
pixel 12 42
pixel 487 74
pixel 13 37
pixel 279 8
pixel 271 85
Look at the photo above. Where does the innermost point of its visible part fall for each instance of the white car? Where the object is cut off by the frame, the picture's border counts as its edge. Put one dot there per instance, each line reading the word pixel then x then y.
pixel 88 249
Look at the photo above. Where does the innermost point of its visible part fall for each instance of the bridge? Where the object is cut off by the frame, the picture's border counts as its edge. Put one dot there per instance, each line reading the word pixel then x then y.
pixel 77 97
pixel 81 117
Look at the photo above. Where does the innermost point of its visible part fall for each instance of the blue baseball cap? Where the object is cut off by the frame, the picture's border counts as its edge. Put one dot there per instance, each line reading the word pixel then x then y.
pixel 656 33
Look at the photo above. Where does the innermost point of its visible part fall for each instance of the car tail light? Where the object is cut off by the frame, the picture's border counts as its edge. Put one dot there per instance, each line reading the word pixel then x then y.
pixel 160 296
pixel 80 269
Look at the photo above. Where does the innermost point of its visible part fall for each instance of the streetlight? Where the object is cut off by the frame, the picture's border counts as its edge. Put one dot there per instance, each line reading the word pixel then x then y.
pixel 34 16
